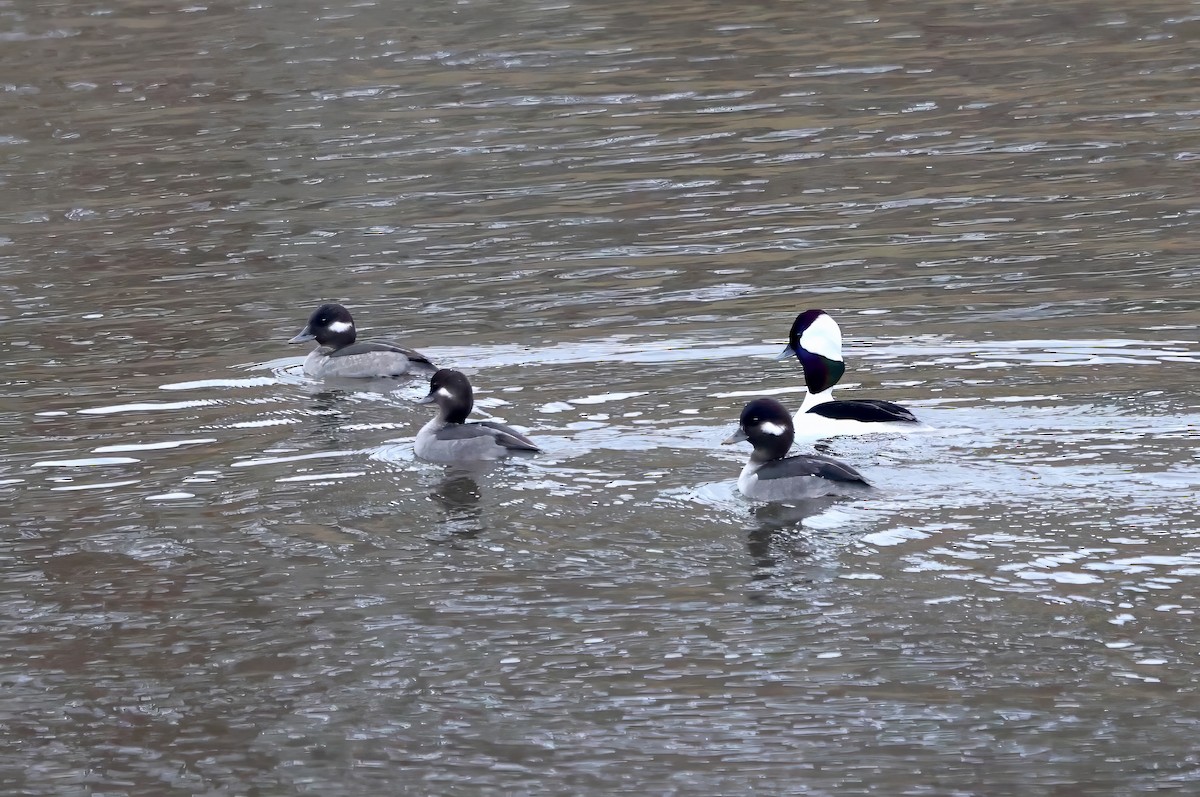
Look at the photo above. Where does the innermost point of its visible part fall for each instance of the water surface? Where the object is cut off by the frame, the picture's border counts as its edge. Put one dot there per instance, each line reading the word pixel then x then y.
pixel 221 578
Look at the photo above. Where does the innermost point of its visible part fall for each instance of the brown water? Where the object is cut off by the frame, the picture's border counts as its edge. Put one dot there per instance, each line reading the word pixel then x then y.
pixel 222 579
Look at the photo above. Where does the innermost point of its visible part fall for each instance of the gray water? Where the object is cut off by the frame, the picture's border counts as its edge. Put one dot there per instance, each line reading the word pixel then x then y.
pixel 221 578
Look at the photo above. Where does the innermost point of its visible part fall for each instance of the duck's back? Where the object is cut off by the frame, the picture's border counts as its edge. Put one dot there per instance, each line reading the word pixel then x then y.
pixel 800 477
pixel 853 417
pixel 364 360
pixel 470 442
pixel 864 411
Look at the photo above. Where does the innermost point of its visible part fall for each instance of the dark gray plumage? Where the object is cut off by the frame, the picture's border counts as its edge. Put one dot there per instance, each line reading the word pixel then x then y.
pixel 817 465
pixel 449 439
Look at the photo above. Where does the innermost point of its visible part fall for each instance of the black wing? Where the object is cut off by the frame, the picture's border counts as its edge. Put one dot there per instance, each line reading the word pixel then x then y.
pixel 366 347
pixel 864 410
pixel 811 465
pixel 509 437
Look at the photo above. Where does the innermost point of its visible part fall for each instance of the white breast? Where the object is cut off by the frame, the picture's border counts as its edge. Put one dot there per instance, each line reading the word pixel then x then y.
pixel 748 479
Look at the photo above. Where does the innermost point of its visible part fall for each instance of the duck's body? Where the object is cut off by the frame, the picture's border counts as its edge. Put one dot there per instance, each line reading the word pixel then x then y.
pixel 771 475
pixel 461 443
pixel 449 439
pixel 364 360
pixel 821 415
pixel 340 355
pixel 816 341
pixel 799 477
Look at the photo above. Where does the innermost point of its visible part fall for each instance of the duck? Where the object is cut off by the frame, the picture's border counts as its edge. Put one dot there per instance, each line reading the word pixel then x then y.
pixel 449 439
pixel 771 475
pixel 815 339
pixel 338 355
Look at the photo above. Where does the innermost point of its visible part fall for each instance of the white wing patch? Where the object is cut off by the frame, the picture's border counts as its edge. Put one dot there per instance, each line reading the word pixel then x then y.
pixel 823 337
pixel 340 326
pixel 772 428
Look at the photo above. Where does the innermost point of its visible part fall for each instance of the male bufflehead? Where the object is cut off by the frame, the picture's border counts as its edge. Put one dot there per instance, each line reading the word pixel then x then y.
pixel 449 439
pixel 816 341
pixel 771 475
pixel 338 355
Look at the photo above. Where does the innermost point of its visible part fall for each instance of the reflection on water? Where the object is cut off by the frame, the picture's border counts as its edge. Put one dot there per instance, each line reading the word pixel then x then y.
pixel 458 496
pixel 222 578
pixel 781 549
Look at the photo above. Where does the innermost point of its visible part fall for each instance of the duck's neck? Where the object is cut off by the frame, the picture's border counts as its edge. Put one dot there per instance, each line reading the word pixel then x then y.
pixel 435 424
pixel 813 399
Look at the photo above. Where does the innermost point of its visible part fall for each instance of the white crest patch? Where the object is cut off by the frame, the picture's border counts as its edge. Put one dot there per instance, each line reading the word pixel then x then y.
pixel 823 337
pixel 340 326
pixel 441 391
pixel 772 428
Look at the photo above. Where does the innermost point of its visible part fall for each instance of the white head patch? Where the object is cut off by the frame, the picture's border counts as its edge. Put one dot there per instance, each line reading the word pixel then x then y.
pixel 441 391
pixel 823 337
pixel 771 428
pixel 340 326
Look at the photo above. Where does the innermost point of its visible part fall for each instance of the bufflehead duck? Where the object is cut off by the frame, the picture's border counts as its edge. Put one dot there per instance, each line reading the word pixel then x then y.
pixel 449 439
pixel 771 475
pixel 816 341
pixel 338 355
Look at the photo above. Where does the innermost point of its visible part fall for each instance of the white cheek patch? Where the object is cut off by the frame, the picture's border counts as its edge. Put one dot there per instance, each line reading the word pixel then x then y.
pixel 823 337
pixel 772 428
pixel 340 326
pixel 441 391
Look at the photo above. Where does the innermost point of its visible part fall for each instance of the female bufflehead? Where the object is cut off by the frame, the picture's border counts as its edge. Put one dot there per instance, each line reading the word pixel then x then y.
pixel 449 439
pixel 771 475
pixel 338 355
pixel 816 341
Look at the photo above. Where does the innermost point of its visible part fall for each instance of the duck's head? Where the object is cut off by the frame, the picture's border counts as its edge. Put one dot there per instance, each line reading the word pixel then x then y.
pixel 816 341
pixel 767 425
pixel 329 325
pixel 451 391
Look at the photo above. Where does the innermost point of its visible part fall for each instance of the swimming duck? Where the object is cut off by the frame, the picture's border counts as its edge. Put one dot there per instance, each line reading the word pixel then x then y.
pixel 816 341
pixel 449 439
pixel 339 356
pixel 771 475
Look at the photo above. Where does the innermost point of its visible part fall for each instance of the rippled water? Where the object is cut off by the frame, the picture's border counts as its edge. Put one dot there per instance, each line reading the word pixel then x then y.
pixel 221 578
